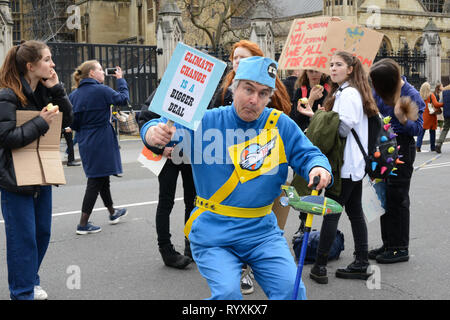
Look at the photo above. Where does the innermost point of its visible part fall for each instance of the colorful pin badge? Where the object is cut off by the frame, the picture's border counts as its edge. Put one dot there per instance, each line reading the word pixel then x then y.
pixel 374 165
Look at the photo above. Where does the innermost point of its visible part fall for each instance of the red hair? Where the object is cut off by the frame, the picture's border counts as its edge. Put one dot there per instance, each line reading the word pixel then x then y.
pixel 280 99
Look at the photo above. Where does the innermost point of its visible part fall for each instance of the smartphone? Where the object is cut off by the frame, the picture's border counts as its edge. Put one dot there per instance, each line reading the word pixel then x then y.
pixel 110 71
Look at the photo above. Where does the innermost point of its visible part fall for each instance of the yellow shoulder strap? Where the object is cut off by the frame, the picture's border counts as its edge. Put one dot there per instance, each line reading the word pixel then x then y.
pixel 227 188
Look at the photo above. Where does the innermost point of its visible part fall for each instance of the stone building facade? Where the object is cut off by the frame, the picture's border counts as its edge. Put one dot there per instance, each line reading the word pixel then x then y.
pixel 130 21
pixel 6 27
pixel 421 24
pixel 414 23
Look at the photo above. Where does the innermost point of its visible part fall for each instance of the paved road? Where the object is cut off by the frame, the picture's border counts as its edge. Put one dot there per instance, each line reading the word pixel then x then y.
pixel 122 262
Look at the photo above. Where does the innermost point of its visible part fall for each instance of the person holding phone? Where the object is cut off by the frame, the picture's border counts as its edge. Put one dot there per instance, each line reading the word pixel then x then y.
pixel 110 71
pixel 28 81
pixel 97 141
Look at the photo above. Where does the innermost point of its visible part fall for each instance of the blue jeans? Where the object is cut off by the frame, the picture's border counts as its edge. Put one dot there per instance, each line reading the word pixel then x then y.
pixel 27 227
pixel 432 139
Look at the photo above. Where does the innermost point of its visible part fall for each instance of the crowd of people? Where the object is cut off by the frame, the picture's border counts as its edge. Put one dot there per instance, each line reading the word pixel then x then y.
pixel 233 221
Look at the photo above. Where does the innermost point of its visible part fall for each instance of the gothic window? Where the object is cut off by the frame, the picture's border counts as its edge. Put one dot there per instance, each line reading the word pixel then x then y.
pixel 15 6
pixel 17 35
pixel 433 5
pixel 269 43
pixel 385 47
pixel 177 35
pixel 149 11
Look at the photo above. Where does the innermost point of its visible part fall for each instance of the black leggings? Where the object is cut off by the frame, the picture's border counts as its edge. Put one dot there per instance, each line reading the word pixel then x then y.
pixel 93 188
pixel 395 222
pixel 350 198
pixel 167 187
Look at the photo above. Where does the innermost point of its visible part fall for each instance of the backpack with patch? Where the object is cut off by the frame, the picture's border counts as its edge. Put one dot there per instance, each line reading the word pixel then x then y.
pixel 382 156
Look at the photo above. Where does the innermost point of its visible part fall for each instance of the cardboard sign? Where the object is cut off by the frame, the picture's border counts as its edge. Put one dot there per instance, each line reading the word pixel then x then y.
pixel 187 86
pixel 313 41
pixel 152 161
pixel 39 163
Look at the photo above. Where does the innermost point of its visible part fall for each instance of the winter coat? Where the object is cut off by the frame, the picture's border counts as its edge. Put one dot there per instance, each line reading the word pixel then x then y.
pixel 146 115
pixel 97 140
pixel 430 120
pixel 12 137
pixel 323 132
pixel 302 120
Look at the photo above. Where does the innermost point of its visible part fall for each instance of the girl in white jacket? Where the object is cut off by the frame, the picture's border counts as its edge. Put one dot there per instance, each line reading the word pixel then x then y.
pixel 351 97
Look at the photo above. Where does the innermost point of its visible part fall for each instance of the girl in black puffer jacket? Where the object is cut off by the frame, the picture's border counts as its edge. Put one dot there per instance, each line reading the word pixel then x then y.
pixel 28 81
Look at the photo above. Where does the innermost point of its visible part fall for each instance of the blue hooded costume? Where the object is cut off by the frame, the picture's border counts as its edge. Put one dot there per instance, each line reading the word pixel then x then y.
pixel 238 169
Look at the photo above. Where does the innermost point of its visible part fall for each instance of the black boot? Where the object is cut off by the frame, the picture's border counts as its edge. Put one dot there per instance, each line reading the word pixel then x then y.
pixel 173 258
pixel 376 252
pixel 357 269
pixel 187 248
pixel 319 270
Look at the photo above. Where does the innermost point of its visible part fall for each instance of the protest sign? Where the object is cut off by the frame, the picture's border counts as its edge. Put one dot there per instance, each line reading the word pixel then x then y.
pixel 39 163
pixel 187 86
pixel 152 161
pixel 313 41
pixel 302 49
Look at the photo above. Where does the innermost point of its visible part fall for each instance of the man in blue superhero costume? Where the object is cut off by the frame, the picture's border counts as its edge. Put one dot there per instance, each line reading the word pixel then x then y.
pixel 240 156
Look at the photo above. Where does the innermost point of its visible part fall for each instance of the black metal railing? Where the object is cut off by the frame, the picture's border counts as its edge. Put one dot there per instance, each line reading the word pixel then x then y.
pixel 412 63
pixel 220 52
pixel 137 62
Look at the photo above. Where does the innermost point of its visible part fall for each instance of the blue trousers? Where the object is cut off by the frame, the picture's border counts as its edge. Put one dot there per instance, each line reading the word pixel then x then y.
pixel 27 228
pixel 270 259
pixel 432 139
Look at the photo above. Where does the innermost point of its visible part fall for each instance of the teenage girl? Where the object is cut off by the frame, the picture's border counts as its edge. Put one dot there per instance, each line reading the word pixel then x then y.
pixel 351 97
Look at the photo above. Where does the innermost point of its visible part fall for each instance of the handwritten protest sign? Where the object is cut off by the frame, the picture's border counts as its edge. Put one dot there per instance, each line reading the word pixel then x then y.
pixel 302 49
pixel 187 86
pixel 312 42
pixel 362 42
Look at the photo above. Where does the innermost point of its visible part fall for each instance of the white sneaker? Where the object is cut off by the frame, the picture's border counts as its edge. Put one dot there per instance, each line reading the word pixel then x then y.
pixel 39 293
pixel 246 281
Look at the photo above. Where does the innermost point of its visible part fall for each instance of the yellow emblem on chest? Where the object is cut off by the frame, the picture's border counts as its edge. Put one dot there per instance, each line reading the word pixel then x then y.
pixel 259 155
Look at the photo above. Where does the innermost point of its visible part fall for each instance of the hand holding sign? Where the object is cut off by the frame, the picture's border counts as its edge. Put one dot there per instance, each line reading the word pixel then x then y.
pixel 161 134
pixel 187 86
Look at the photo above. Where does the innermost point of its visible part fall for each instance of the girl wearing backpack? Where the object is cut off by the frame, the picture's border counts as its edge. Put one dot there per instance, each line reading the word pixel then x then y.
pixel 314 86
pixel 351 97
pixel 398 99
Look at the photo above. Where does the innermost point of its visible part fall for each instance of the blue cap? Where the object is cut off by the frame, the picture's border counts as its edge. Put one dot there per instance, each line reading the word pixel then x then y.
pixel 259 69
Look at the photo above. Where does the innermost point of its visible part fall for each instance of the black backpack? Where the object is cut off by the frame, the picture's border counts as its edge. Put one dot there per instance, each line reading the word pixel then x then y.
pixel 313 244
pixel 382 154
